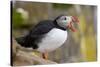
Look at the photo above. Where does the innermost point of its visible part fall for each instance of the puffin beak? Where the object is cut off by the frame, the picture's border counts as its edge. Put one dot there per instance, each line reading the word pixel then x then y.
pixel 75 19
pixel 70 25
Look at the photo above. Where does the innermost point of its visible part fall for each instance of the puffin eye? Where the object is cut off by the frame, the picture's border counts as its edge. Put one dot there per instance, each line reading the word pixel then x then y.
pixel 65 18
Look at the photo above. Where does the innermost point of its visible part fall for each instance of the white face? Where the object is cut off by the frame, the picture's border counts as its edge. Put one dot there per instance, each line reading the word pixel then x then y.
pixel 63 21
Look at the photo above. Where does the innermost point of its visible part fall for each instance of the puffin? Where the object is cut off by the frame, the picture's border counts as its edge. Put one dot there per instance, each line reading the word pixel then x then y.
pixel 48 35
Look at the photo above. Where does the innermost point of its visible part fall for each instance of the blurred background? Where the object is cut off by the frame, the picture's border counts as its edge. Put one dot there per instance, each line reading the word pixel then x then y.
pixel 80 46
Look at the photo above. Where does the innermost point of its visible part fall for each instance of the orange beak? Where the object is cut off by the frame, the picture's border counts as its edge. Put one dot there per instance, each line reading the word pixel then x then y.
pixel 74 20
pixel 70 26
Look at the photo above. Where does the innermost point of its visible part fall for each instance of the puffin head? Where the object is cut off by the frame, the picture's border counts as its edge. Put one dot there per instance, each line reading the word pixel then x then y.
pixel 67 22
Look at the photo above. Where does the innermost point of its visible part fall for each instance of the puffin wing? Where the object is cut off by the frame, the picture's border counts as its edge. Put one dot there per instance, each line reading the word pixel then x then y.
pixel 41 29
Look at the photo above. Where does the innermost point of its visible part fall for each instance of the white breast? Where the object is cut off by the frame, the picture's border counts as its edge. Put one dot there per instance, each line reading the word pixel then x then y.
pixel 52 40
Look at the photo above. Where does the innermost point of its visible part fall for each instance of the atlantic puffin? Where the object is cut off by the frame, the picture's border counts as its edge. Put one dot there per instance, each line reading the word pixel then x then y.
pixel 48 35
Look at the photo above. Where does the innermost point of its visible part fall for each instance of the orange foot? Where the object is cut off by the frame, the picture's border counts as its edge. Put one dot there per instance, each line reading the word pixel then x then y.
pixel 45 56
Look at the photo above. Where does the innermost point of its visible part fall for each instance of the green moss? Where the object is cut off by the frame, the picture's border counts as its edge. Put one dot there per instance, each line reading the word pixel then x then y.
pixel 17 20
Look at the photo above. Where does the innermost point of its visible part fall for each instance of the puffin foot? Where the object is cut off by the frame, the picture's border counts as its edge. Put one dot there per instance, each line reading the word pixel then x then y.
pixel 45 56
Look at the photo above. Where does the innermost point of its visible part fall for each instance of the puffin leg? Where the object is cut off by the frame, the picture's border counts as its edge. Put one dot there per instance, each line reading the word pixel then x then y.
pixel 45 55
